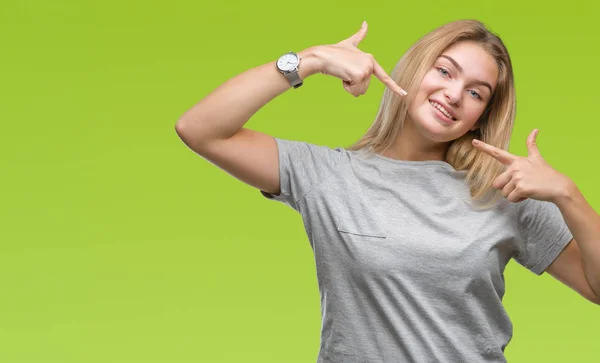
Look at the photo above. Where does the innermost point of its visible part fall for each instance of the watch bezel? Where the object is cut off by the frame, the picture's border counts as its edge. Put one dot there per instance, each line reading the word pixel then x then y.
pixel 295 69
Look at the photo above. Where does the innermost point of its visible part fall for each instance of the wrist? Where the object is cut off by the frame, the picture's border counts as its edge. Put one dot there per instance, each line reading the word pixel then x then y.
pixel 310 62
pixel 567 193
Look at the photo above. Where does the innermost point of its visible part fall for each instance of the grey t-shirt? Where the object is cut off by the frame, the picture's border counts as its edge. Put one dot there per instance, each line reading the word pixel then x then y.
pixel 407 269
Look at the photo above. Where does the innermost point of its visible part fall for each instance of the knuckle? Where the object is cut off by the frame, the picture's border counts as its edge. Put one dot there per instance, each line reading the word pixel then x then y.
pixel 357 76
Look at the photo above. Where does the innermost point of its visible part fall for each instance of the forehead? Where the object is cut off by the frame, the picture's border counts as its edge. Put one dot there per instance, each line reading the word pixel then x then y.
pixel 476 62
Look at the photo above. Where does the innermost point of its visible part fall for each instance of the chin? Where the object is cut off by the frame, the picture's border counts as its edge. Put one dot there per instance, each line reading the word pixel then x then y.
pixel 431 129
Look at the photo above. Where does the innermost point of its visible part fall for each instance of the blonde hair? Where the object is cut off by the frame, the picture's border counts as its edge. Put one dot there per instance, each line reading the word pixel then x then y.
pixel 495 124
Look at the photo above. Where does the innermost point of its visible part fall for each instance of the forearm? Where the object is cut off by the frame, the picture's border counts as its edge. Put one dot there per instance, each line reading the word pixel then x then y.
pixel 584 224
pixel 223 112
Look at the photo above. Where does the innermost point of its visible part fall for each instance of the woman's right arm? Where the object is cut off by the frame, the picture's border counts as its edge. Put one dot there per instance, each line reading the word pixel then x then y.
pixel 213 128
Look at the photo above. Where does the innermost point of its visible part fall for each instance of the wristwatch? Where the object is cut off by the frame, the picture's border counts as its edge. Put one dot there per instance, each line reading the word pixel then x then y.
pixel 288 64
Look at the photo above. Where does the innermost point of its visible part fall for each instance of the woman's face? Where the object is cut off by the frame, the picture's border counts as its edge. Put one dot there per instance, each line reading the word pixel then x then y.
pixel 454 93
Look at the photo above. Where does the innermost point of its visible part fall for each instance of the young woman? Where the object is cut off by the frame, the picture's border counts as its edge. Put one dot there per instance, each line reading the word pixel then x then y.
pixel 413 225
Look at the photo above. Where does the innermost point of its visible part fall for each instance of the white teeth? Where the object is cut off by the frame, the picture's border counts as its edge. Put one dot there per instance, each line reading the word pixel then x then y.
pixel 442 110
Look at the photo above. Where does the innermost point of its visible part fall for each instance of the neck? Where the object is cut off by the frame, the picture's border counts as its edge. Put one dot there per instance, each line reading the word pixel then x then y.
pixel 412 146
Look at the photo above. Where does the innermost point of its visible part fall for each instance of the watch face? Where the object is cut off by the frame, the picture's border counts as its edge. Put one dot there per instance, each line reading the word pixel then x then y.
pixel 287 62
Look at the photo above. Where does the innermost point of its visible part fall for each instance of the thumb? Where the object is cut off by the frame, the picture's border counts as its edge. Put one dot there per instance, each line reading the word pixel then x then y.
pixel 357 37
pixel 532 148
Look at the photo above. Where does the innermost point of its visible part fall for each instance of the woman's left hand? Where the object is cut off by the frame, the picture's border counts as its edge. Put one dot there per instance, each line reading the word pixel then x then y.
pixel 526 177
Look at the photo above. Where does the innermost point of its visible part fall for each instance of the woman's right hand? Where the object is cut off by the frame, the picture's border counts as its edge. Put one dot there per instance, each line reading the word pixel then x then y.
pixel 354 67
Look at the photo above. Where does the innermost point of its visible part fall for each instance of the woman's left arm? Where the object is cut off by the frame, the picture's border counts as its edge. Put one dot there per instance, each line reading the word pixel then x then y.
pixel 578 265
pixel 584 224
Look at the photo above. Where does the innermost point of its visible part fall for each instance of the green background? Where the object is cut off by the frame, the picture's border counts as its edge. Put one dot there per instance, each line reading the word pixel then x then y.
pixel 119 244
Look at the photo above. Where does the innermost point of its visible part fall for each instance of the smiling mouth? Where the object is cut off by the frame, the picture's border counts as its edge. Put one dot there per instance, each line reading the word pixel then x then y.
pixel 440 108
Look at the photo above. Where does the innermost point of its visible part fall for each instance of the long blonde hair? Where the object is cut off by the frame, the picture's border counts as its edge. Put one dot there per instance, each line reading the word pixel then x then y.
pixel 495 124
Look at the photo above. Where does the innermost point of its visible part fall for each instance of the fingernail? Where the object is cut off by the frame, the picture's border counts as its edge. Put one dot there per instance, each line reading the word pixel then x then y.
pixel 404 92
pixel 364 23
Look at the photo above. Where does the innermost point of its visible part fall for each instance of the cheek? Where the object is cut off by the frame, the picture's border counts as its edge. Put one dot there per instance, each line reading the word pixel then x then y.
pixel 429 83
pixel 426 88
pixel 474 112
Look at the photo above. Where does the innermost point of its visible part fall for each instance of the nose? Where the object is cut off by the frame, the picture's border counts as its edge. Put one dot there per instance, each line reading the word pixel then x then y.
pixel 452 94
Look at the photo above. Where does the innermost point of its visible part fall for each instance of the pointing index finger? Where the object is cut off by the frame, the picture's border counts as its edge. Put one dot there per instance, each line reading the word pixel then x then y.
pixel 380 73
pixel 502 156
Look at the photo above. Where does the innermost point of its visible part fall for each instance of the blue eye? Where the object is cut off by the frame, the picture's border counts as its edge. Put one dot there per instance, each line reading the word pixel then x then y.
pixel 443 72
pixel 475 94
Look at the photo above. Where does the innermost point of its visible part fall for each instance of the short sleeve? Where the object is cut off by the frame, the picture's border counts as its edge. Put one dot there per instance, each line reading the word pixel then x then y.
pixel 544 234
pixel 302 166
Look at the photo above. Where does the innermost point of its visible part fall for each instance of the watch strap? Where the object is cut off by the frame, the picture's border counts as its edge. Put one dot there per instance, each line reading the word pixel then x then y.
pixel 294 79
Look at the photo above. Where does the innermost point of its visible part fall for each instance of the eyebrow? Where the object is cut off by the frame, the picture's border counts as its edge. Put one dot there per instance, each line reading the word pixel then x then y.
pixel 460 69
